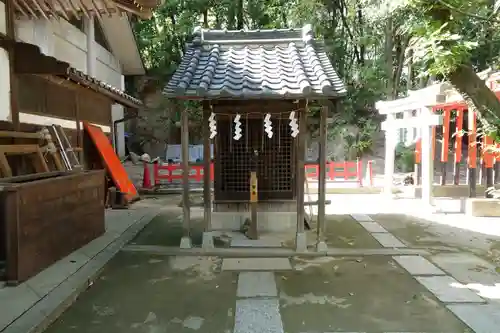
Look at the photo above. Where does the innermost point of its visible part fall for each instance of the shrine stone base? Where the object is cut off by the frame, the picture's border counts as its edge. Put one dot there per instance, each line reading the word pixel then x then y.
pixel 450 191
pixel 266 221
pixel 482 207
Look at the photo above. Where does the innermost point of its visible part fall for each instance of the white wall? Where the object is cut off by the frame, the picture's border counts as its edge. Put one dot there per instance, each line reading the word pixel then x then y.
pixel 65 42
pixel 4 71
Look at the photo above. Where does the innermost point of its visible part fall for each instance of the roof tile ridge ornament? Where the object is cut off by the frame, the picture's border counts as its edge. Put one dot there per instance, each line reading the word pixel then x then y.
pixel 308 38
pixel 185 81
pixel 299 69
pixel 198 36
pixel 209 71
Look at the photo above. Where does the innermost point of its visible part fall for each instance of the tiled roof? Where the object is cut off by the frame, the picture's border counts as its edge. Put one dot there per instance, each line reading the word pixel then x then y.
pixel 92 82
pixel 255 64
pixel 30 60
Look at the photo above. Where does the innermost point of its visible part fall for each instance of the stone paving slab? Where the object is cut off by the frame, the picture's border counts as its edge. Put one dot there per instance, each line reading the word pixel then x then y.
pixel 256 264
pixel 49 279
pixel 372 227
pixel 387 240
pixel 449 290
pixel 467 268
pixel 482 318
pixel 258 315
pixel 255 243
pixel 417 265
pixel 362 217
pixel 15 301
pixel 256 284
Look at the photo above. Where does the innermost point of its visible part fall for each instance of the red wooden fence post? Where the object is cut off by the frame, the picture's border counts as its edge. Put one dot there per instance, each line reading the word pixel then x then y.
pixel 155 173
pixel 359 172
pixel 370 172
pixel 331 171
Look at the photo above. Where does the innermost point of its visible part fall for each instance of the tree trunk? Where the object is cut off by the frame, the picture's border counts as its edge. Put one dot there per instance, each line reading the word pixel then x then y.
pixel 388 58
pixel 475 93
pixel 205 19
pixel 240 16
pixel 409 82
pixel 400 59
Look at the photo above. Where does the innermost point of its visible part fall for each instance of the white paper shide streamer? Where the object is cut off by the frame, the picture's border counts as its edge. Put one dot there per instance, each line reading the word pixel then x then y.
pixel 212 124
pixel 237 128
pixel 268 126
pixel 294 126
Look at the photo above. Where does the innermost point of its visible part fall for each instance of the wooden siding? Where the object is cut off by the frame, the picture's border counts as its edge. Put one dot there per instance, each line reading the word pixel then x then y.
pixel 42 97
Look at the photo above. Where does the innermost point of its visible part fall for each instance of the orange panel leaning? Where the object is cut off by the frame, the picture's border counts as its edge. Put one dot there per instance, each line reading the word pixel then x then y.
pixel 113 165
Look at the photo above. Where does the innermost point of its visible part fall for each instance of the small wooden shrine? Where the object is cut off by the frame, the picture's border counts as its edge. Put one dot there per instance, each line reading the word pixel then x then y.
pixel 256 87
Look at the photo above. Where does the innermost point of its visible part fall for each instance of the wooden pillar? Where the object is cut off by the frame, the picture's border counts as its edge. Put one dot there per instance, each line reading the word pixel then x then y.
pixel 79 132
pixel 320 228
pixel 445 144
pixel 207 184
pixel 89 27
pixel 11 34
pixel 489 161
pixel 427 160
pixel 496 177
pixel 390 155
pixel 458 145
pixel 300 239
pixel 186 225
pixel 472 159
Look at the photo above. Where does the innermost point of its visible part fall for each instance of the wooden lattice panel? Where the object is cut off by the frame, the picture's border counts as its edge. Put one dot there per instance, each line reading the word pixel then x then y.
pixel 274 162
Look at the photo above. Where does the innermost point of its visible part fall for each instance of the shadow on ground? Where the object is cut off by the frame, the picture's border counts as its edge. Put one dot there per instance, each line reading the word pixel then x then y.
pixel 143 293
pixel 417 232
pixel 341 231
pixel 358 295
pixel 166 230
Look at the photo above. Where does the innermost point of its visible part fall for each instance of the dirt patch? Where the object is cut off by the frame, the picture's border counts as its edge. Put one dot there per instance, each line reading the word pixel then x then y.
pixel 359 295
pixel 341 231
pixel 413 232
pixel 166 230
pixel 141 293
pixel 344 232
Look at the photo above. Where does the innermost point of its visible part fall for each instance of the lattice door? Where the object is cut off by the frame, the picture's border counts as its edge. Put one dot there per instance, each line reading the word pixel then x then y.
pixel 234 160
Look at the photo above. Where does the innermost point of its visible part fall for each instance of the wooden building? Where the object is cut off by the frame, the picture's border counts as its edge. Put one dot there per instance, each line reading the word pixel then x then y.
pixel 247 79
pixel 38 89
pixel 68 64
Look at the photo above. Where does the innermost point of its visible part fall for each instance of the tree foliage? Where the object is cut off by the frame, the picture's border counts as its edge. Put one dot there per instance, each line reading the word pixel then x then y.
pixel 380 48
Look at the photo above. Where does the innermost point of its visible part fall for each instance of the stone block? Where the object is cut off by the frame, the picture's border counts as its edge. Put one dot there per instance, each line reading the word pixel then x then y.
pixel 482 207
pixel 255 243
pixel 256 264
pixel 266 221
pixel 372 227
pixel 258 315
pixel 256 284
pixel 417 265
pixel 481 318
pixel 449 290
pixel 387 240
pixel 361 217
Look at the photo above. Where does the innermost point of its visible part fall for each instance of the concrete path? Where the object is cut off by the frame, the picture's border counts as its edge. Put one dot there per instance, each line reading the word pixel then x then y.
pixel 32 305
pixel 452 289
pixel 453 286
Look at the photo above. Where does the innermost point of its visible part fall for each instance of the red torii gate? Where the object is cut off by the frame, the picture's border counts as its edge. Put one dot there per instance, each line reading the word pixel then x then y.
pixel 489 158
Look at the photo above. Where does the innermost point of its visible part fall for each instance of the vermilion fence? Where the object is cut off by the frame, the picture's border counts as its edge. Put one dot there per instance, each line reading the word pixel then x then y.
pixel 461 140
pixel 336 171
